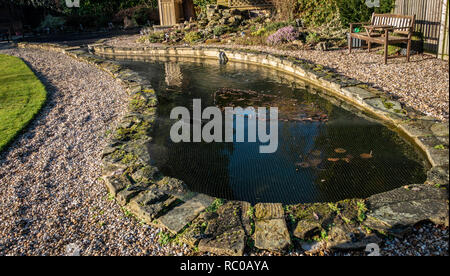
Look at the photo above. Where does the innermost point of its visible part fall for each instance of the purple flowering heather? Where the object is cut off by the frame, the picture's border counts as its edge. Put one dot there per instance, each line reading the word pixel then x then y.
pixel 285 34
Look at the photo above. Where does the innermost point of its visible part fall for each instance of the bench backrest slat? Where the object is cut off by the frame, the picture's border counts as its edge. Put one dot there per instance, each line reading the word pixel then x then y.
pixel 395 20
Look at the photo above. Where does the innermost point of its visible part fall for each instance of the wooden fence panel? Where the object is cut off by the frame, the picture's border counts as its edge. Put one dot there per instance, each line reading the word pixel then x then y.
pixel 428 19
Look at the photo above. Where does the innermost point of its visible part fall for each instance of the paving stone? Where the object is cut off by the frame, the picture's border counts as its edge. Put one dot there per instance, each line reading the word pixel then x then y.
pixel 124 196
pixel 226 231
pixel 306 229
pixel 417 128
pixel 348 237
pixel 396 211
pixel 437 156
pixel 272 235
pixel 269 211
pixel 116 184
pixel 438 175
pixel 440 129
pixel 176 219
pixel 173 186
pixel 357 93
pixel 246 216
pixel 393 110
pixel 147 205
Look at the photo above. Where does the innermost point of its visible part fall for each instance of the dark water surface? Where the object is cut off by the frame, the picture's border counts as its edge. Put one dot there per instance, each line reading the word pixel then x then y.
pixel 303 169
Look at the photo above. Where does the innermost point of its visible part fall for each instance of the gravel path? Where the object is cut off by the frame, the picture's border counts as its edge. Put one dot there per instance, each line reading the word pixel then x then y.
pixel 50 192
pixel 421 83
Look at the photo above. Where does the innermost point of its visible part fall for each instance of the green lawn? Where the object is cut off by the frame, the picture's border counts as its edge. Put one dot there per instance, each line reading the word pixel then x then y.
pixel 21 97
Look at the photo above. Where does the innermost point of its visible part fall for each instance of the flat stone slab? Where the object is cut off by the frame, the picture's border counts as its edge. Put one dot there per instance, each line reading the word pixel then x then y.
pixel 116 184
pixel 357 93
pixel 437 156
pixel 349 237
pixel 388 108
pixel 438 175
pixel 440 129
pixel 272 235
pixel 396 211
pixel 226 231
pixel 306 229
pixel 417 128
pixel 147 205
pixel 177 218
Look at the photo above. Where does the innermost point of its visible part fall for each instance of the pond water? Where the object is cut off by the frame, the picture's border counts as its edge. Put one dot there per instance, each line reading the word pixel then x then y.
pixel 326 150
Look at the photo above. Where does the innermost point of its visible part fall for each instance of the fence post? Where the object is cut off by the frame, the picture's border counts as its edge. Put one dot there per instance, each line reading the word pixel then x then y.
pixel 443 36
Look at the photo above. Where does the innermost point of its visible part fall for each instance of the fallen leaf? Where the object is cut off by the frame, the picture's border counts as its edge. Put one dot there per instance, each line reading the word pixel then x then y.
pixel 340 150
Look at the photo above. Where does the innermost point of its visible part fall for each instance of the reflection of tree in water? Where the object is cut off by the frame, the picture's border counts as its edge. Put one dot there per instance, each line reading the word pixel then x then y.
pixel 173 75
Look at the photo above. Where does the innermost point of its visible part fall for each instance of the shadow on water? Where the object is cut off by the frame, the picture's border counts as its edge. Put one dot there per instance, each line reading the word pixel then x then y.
pixel 347 155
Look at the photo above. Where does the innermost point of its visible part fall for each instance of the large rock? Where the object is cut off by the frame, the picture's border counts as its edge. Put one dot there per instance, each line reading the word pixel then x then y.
pixel 227 234
pixel 396 211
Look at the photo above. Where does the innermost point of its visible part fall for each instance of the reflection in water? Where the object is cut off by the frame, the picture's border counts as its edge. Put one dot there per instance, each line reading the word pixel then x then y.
pixel 317 160
pixel 173 75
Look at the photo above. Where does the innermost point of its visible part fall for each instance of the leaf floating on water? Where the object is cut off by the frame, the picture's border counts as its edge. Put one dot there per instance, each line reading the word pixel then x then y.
pixel 346 159
pixel 340 150
pixel 333 159
pixel 366 155
pixel 316 152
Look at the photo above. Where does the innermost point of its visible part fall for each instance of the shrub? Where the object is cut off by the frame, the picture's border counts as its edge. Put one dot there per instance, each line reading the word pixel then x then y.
pixel 285 34
pixel 155 37
pixel 51 22
pixel 312 38
pixel 285 8
pixel 358 11
pixel 220 30
pixel 275 26
pixel 317 12
pixel 193 36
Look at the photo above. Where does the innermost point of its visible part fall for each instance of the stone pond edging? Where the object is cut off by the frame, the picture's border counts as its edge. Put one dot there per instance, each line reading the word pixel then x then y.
pixel 229 227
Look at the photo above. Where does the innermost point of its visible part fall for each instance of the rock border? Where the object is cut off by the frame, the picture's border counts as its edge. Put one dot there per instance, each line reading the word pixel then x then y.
pixel 229 227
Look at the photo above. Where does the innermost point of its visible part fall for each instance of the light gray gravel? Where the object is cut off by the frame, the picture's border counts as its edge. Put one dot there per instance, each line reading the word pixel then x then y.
pixel 51 197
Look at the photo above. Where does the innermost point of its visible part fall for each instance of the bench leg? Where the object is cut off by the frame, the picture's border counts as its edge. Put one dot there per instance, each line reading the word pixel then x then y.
pixel 369 46
pixel 408 50
pixel 350 42
pixel 386 46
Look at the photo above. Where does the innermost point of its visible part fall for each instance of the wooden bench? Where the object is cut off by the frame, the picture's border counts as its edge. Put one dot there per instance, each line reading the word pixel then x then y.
pixel 385 29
